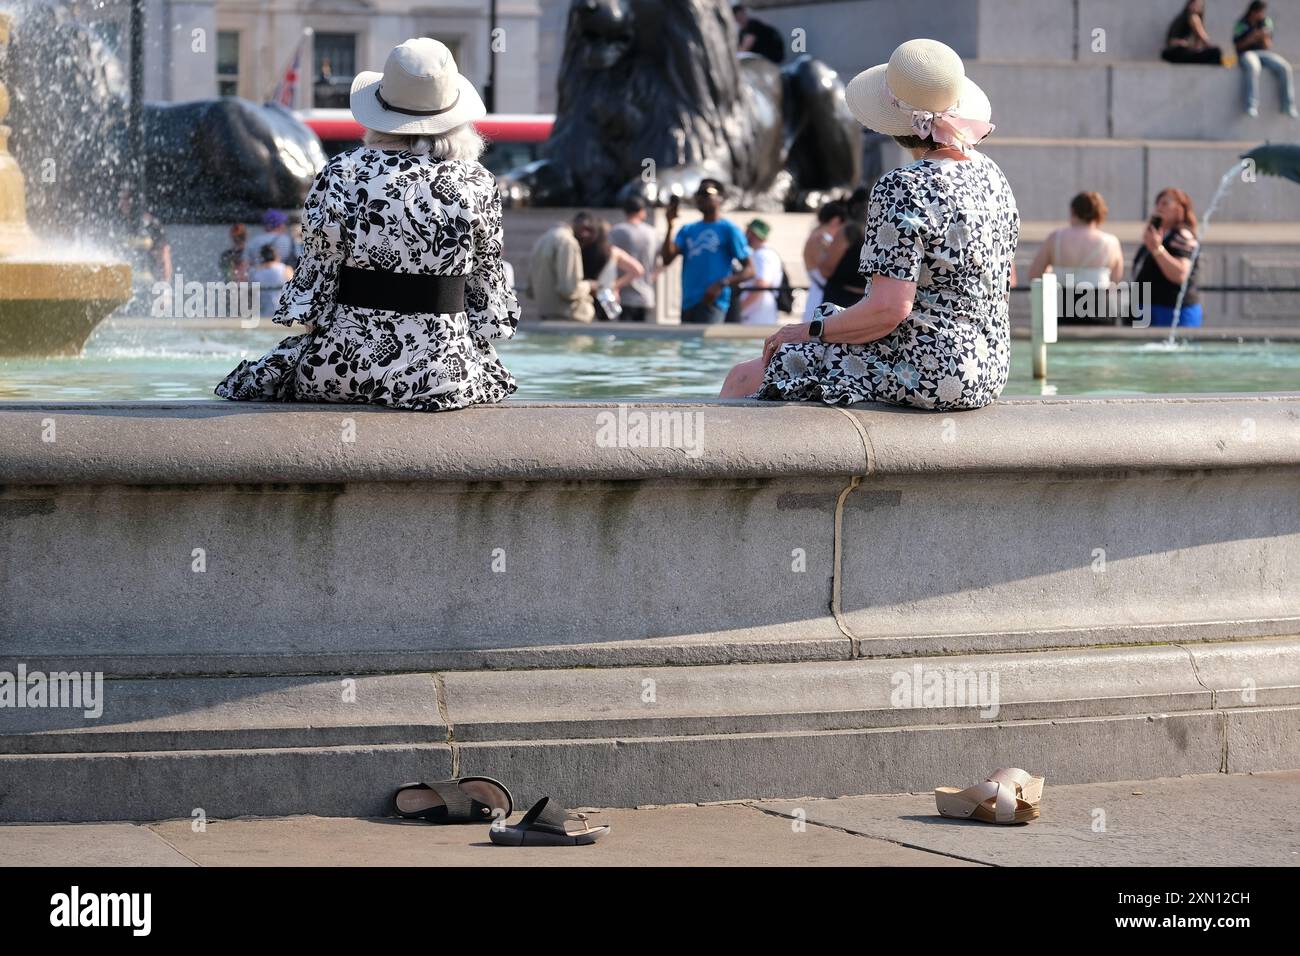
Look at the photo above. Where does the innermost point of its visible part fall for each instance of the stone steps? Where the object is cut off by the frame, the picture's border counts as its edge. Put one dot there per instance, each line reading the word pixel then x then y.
pixel 1045 174
pixel 1130 100
pixel 634 736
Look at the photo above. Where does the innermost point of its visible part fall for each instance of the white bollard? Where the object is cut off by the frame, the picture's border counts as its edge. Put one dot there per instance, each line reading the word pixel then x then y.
pixel 1043 302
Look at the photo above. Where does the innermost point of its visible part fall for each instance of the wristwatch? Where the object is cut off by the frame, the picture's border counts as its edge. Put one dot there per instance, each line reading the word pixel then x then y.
pixel 815 330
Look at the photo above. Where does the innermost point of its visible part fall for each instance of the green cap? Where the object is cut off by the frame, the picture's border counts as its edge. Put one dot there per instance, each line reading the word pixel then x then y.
pixel 760 228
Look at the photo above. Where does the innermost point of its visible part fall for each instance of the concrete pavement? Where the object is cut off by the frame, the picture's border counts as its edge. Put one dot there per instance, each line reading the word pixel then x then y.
pixel 1209 820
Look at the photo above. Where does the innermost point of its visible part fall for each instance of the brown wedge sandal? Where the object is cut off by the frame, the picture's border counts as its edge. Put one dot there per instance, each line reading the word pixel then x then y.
pixel 1008 796
pixel 546 824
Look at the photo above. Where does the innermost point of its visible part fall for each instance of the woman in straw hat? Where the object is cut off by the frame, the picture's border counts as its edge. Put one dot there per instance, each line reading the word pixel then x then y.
pixel 400 284
pixel 932 330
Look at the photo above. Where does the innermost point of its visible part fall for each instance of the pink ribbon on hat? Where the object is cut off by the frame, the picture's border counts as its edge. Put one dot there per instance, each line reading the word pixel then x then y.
pixel 945 127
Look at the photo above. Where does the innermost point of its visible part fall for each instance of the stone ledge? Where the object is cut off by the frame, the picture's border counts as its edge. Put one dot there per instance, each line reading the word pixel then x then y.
pixel 217 443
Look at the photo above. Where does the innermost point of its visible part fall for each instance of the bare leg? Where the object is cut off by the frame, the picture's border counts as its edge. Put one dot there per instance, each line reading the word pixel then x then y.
pixel 743 380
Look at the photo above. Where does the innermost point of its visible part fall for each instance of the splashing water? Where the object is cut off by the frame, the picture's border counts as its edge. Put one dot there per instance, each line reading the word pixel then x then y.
pixel 1228 178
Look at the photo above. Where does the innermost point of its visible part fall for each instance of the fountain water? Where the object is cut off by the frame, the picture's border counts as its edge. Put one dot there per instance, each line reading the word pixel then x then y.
pixel 49 304
pixel 1271 159
pixel 1224 184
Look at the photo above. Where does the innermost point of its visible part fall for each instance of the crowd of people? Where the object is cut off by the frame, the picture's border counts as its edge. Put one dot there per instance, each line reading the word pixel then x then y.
pixel 1188 41
pixel 585 270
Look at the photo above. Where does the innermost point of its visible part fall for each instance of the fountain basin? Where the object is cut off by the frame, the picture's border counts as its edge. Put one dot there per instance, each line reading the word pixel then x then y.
pixel 168 359
pixel 51 308
pixel 1125 566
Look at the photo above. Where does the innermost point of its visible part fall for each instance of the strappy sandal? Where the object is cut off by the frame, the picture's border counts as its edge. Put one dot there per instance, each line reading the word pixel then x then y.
pixel 463 800
pixel 1009 795
pixel 545 825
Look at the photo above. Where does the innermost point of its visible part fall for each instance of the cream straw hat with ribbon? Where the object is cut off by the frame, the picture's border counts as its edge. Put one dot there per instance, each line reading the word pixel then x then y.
pixel 420 92
pixel 922 91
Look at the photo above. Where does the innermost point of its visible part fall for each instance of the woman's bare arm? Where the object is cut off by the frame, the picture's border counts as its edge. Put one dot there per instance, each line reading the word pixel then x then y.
pixel 881 312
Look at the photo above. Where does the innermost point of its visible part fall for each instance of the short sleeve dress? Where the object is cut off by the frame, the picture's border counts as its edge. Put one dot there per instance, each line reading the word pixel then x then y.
pixel 950 226
pixel 392 211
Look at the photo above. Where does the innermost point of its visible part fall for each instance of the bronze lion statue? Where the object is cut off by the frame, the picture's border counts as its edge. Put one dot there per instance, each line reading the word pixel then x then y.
pixel 654 97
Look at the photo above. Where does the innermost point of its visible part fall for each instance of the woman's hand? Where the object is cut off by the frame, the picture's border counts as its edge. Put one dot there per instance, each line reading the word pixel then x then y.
pixel 785 335
pixel 1151 238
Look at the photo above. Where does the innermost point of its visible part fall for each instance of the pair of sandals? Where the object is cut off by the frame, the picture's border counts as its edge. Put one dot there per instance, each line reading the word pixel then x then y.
pixel 484 800
pixel 1009 795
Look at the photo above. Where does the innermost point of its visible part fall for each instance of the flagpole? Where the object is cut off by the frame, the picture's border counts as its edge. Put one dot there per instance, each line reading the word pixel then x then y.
pixel 307 65
pixel 491 98
pixel 298 62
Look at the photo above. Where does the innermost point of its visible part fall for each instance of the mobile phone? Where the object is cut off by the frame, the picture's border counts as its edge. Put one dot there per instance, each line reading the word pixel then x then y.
pixel 674 205
pixel 1156 222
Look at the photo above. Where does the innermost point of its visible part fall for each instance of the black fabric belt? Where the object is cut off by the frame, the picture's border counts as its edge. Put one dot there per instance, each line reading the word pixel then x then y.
pixel 401 291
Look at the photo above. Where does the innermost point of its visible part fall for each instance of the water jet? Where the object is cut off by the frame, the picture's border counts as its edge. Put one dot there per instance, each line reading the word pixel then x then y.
pixel 49 304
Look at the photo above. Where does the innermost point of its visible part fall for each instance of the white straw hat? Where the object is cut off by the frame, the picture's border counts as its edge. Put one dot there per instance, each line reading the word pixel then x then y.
pixel 420 92
pixel 921 75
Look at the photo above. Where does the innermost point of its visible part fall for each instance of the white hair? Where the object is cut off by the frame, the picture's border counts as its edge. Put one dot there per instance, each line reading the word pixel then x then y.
pixel 463 142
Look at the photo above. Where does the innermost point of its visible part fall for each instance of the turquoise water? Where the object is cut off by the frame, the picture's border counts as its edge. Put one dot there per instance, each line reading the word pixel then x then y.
pixel 126 361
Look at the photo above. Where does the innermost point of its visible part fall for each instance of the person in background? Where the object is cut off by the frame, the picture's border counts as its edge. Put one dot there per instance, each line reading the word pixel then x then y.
pixel 1253 37
pixel 275 231
pixel 231 261
pixel 295 240
pixel 839 263
pixel 1187 41
pixel 757 36
pixel 709 248
pixel 154 234
pixel 757 304
pixel 271 276
pixel 856 204
pixel 1165 259
pixel 1082 252
pixel 555 277
pixel 607 267
pixel 830 219
pixel 637 238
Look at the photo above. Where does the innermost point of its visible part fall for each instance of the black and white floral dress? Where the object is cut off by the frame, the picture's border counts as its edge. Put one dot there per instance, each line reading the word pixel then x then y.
pixel 392 211
pixel 950 226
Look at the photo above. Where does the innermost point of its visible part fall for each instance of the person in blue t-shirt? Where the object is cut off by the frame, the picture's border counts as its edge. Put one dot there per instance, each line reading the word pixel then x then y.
pixel 709 249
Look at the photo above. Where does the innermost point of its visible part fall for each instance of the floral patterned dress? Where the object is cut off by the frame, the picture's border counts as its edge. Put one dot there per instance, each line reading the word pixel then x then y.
pixel 950 226
pixel 392 211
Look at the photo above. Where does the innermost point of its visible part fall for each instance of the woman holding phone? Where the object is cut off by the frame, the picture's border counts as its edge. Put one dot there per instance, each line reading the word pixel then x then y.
pixel 1166 259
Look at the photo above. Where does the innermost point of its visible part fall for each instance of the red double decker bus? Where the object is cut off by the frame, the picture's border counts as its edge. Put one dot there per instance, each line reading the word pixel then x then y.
pixel 513 139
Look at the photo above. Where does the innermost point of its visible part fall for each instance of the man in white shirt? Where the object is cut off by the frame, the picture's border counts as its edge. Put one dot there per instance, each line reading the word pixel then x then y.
pixel 758 306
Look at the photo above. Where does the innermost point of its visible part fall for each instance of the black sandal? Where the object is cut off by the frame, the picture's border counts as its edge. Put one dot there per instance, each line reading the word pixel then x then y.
pixel 544 825
pixel 447 801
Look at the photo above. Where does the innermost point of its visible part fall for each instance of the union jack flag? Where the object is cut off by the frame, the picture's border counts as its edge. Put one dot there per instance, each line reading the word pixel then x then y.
pixel 286 91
